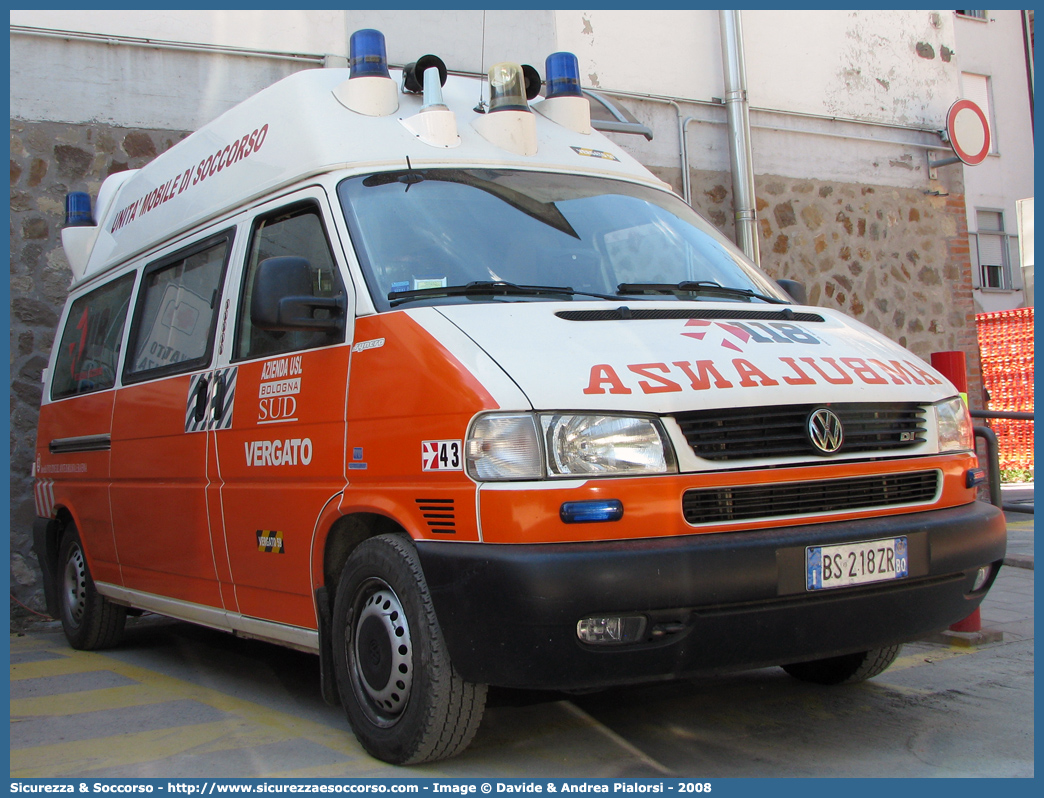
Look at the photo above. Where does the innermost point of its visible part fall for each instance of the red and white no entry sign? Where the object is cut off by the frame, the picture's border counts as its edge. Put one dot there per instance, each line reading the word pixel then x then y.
pixel 969 132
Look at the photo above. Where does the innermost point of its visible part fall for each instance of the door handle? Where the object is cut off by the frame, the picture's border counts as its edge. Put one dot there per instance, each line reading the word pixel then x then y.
pixel 200 410
pixel 217 401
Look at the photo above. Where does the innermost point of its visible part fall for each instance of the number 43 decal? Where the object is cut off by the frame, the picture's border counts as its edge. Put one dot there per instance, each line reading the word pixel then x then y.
pixel 441 456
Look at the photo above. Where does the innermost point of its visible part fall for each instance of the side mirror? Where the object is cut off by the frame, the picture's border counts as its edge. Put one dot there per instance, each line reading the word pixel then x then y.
pixel 795 289
pixel 283 298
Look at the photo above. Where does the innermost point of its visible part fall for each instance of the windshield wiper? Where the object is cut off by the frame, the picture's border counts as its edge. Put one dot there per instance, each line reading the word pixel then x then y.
pixel 488 288
pixel 695 287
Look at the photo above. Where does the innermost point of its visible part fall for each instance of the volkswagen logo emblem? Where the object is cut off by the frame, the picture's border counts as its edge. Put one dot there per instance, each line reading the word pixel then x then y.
pixel 825 431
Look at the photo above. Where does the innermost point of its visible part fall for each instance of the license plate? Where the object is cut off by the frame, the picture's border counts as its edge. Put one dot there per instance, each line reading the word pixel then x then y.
pixel 856 563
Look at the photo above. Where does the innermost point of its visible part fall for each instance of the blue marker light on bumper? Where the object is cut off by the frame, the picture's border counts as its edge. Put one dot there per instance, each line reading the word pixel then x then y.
pixel 975 477
pixel 591 511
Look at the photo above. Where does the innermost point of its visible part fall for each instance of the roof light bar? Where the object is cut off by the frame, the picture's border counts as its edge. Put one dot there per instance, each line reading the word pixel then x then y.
pixel 533 81
pixel 432 90
pixel 377 95
pixel 367 56
pixel 436 124
pixel 413 74
pixel 78 209
pixel 507 88
pixel 564 102
pixel 563 76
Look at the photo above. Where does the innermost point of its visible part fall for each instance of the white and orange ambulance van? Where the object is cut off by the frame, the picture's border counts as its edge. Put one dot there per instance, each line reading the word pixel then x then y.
pixel 457 396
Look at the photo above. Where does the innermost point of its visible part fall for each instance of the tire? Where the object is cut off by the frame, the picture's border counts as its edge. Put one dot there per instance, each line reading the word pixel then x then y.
pixel 847 669
pixel 404 700
pixel 90 621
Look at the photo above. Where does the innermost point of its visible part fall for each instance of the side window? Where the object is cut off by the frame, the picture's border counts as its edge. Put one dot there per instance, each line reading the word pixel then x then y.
pixel 290 232
pixel 994 269
pixel 90 345
pixel 173 328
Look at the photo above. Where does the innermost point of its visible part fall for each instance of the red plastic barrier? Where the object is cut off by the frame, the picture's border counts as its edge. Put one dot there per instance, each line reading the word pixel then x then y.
pixel 1006 351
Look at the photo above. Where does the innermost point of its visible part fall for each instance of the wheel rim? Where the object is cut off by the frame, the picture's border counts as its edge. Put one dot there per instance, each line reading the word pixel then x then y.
pixel 380 652
pixel 75 586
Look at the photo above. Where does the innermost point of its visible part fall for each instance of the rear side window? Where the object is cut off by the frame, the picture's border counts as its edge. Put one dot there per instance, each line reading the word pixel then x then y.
pixel 90 345
pixel 173 330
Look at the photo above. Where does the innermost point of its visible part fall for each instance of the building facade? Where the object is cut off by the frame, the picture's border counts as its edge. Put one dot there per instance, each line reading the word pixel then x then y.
pixel 997 74
pixel 845 109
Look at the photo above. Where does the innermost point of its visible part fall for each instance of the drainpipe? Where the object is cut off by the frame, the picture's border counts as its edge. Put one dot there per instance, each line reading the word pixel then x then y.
pixel 738 111
pixel 1028 42
pixel 686 180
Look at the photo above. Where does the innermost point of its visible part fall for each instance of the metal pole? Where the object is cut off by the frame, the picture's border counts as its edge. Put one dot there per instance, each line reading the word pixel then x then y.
pixel 737 108
pixel 992 463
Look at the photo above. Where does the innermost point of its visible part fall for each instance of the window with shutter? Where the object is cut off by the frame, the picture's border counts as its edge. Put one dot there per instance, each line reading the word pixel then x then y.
pixel 993 262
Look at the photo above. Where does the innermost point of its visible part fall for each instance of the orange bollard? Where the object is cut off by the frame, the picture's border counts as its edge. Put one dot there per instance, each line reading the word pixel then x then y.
pixel 973 623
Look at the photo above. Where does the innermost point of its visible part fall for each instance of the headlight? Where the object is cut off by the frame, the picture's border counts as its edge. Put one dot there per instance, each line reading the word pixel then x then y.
pixel 954 423
pixel 504 447
pixel 586 445
pixel 507 446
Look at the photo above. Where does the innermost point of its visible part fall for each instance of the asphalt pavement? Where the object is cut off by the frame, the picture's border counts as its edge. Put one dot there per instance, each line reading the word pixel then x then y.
pixel 180 700
pixel 1020 525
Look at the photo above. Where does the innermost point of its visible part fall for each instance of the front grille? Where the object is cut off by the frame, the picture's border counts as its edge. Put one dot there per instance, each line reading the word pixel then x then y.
pixel 748 502
pixel 781 430
pixel 439 515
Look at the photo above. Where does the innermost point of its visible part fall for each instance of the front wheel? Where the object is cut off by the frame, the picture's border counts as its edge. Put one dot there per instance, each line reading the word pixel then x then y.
pixel 404 700
pixel 846 669
pixel 90 621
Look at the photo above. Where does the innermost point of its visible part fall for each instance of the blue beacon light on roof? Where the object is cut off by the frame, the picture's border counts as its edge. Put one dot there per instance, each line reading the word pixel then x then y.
pixel 367 54
pixel 78 209
pixel 562 76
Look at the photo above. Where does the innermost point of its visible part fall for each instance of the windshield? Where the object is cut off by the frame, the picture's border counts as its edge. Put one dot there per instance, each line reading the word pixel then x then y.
pixel 443 228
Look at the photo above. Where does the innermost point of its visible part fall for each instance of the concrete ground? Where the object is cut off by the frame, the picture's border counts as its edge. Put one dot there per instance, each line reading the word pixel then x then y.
pixel 182 701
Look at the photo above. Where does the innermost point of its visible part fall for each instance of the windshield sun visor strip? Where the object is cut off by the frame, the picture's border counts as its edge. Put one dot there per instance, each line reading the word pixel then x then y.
pixel 679 313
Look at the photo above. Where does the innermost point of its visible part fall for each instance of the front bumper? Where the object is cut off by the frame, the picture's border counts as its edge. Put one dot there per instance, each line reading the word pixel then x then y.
pixel 722 601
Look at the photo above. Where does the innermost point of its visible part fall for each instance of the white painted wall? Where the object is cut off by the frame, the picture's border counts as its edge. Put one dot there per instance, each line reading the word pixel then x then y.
pixel 127 86
pixel 278 31
pixel 133 86
pixel 853 64
pixel 863 65
pixel 669 53
pixel 995 48
pixel 468 41
pixel 829 72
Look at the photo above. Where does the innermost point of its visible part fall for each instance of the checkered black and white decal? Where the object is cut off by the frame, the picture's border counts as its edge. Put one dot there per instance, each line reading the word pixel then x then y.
pixel 220 390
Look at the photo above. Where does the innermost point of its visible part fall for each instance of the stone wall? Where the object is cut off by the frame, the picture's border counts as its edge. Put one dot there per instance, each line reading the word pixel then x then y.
pixel 49 160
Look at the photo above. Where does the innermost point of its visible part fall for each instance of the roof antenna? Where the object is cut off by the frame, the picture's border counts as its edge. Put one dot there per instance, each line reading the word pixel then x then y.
pixel 481 107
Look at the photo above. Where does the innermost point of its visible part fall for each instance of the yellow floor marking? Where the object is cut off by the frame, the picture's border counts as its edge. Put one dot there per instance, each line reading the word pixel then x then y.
pixel 928 657
pixel 56 667
pixel 105 698
pixel 60 759
pixel 355 769
pixel 27 643
pixel 916 692
pixel 254 724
